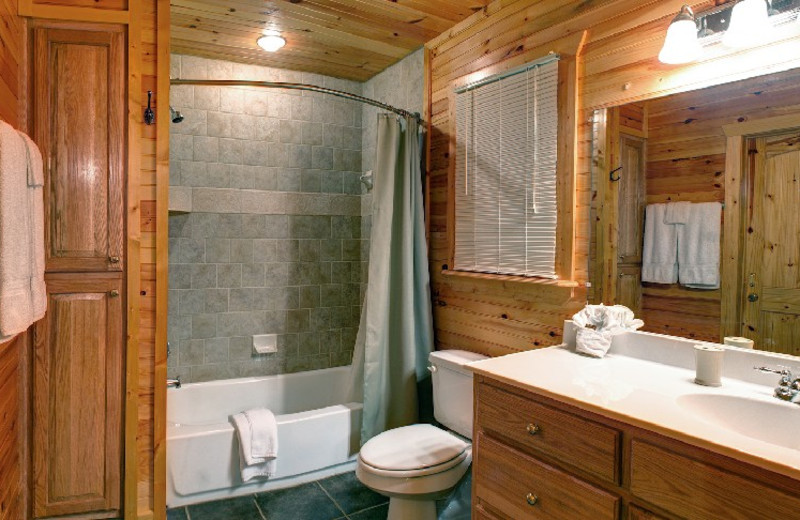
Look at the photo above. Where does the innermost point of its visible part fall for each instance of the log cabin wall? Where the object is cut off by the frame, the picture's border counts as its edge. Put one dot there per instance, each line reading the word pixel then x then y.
pixel 617 65
pixel 13 416
pixel 686 162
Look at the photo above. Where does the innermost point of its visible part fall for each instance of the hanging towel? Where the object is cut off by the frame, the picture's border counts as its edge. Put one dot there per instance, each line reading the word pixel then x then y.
pixel 598 324
pixel 699 246
pixel 258 442
pixel 660 254
pixel 16 313
pixel 36 207
pixel 677 212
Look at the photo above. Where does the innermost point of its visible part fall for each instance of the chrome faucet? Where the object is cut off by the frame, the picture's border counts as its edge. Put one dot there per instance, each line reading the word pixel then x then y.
pixel 174 383
pixel 788 388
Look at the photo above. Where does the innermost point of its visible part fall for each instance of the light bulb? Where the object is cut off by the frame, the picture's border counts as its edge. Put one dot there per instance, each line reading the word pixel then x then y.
pixel 749 24
pixel 681 45
pixel 271 41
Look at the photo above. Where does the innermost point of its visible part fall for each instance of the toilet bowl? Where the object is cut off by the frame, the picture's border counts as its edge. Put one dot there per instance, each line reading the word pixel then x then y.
pixel 418 464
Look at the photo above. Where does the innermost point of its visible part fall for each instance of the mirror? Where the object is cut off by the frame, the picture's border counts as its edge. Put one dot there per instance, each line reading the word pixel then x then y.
pixel 737 145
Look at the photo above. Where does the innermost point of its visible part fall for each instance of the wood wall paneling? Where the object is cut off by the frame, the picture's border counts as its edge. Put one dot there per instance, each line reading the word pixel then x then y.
pixel 11 62
pixel 12 430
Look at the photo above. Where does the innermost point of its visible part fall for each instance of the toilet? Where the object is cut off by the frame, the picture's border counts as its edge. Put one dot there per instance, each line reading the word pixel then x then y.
pixel 418 464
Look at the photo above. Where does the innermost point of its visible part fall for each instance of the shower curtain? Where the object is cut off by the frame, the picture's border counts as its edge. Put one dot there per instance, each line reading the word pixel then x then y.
pixel 396 331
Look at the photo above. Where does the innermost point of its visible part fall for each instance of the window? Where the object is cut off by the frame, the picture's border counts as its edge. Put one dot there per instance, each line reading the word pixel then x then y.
pixel 506 147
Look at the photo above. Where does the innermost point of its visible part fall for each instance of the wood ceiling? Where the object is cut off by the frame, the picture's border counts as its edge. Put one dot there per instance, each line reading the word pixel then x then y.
pixel 352 39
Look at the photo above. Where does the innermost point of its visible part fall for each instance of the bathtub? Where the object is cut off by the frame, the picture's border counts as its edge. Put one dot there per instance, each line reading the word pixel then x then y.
pixel 318 433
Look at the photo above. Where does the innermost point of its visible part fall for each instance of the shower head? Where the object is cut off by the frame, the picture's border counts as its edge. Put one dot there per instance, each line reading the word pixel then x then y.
pixel 175 115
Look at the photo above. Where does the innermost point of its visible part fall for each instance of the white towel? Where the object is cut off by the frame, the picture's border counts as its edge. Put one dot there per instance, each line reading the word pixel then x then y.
pixel 677 212
pixel 258 442
pixel 36 207
pixel 660 253
pixel 699 246
pixel 598 324
pixel 16 313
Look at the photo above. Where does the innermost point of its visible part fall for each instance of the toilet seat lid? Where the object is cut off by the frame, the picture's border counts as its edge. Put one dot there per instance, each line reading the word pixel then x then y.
pixel 410 448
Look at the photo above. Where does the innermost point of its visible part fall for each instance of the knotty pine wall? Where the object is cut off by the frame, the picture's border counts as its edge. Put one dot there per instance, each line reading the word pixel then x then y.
pixel 686 162
pixel 617 65
pixel 12 417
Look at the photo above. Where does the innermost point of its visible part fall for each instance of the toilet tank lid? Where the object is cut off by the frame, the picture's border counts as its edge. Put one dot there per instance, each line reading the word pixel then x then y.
pixel 455 359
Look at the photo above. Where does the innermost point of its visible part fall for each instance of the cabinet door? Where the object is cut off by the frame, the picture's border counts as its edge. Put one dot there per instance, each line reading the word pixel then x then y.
pixel 77 397
pixel 79 123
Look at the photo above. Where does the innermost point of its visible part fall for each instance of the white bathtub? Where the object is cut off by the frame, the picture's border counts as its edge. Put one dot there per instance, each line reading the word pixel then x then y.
pixel 318 433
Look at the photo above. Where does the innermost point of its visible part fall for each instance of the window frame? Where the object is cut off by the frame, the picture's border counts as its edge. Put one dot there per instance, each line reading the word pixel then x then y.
pixel 566 167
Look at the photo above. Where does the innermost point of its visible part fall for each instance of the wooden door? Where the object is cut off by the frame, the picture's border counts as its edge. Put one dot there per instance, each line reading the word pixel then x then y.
pixel 77 397
pixel 79 123
pixel 630 222
pixel 771 285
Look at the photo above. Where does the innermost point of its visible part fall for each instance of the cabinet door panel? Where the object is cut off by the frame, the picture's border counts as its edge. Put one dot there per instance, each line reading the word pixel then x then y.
pixel 77 396
pixel 520 486
pixel 79 124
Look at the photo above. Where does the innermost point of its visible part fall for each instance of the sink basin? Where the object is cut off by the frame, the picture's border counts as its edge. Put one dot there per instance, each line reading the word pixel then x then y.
pixel 774 422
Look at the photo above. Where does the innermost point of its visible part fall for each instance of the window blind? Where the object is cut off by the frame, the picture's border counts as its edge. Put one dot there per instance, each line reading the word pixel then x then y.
pixel 505 203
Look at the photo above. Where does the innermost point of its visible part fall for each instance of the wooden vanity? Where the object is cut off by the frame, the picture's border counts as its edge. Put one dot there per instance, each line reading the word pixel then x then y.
pixel 538 457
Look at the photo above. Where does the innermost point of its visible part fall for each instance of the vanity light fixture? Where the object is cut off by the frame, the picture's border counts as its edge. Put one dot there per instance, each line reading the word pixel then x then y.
pixel 271 41
pixel 749 24
pixel 681 45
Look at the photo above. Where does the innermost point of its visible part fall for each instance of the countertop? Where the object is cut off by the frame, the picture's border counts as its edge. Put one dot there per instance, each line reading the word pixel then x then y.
pixel 646 394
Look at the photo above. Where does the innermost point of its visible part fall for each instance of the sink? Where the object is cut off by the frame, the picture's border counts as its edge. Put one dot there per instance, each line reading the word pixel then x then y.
pixel 775 422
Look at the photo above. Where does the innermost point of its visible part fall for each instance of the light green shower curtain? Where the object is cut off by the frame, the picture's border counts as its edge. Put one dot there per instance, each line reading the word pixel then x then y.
pixel 396 331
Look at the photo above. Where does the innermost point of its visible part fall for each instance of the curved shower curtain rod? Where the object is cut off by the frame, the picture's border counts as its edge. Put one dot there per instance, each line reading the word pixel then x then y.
pixel 294 86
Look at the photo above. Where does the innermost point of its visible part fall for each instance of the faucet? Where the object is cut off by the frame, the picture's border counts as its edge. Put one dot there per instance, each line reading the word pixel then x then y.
pixel 174 383
pixel 788 388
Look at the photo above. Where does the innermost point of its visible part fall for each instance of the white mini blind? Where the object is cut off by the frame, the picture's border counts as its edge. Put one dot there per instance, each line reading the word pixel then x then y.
pixel 505 203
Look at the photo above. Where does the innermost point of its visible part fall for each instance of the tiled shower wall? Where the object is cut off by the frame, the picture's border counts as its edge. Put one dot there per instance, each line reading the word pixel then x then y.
pixel 273 242
pixel 400 85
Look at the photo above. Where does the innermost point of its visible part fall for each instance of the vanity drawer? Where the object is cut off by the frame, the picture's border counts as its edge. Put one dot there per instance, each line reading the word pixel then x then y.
pixel 565 437
pixel 693 489
pixel 519 486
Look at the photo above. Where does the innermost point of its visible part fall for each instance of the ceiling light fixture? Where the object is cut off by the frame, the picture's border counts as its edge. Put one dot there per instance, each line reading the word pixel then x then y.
pixel 681 45
pixel 749 24
pixel 271 41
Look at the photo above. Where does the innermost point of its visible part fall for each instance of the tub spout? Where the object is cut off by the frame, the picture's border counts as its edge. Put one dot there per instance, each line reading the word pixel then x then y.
pixel 174 383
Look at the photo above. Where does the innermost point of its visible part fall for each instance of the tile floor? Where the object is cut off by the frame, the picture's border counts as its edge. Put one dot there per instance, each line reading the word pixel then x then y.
pixel 341 497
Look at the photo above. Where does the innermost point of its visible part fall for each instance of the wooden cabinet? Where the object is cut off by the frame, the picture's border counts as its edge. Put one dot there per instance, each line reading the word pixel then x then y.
pixel 77 397
pixel 535 457
pixel 78 119
pixel 79 123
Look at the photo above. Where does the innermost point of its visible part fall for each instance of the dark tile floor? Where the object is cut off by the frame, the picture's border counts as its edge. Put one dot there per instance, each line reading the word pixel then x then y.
pixel 338 497
pixel 341 497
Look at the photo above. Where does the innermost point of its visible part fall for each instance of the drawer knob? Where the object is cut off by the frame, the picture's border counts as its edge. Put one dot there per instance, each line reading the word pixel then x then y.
pixel 532 429
pixel 531 499
pixel 113 259
pixel 113 293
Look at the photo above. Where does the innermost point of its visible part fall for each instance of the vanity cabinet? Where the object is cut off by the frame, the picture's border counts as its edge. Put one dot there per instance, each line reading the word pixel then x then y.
pixel 536 457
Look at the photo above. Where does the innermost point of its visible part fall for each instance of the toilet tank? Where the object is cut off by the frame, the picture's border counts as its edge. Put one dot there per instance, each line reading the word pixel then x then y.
pixel 452 389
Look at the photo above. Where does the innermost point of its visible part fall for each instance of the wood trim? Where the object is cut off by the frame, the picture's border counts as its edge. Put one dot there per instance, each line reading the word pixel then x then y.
pixel 162 259
pixel 760 126
pixel 133 254
pixel 426 117
pixel 566 165
pixel 524 280
pixel 606 227
pixel 76 14
pixel 731 265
